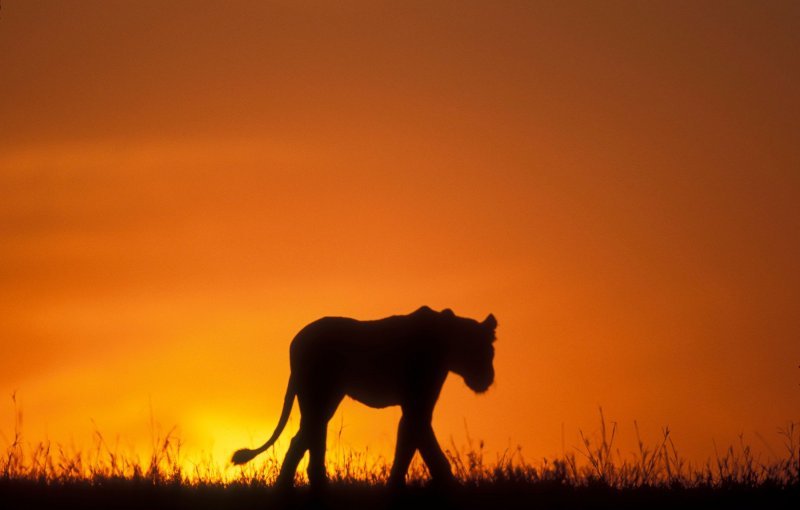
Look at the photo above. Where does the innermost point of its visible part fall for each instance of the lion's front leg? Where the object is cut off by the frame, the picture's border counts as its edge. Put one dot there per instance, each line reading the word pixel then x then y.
pixel 434 457
pixel 403 453
pixel 415 432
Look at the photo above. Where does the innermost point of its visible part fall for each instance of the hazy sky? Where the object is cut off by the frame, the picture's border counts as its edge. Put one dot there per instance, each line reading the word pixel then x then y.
pixel 184 185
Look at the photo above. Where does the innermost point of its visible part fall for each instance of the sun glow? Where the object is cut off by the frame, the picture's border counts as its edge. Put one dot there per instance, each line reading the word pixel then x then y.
pixel 618 188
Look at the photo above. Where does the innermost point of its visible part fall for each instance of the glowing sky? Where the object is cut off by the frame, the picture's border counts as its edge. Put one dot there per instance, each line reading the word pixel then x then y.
pixel 184 185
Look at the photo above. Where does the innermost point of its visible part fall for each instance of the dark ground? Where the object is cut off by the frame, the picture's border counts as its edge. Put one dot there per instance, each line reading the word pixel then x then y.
pixel 129 494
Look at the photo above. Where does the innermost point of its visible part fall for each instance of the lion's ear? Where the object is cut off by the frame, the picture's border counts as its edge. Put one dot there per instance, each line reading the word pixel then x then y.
pixel 448 312
pixel 490 322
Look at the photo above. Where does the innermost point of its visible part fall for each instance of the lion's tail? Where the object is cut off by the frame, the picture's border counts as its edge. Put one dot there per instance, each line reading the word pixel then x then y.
pixel 246 455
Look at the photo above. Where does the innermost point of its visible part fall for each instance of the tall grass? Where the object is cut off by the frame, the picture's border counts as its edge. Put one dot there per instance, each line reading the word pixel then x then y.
pixel 596 462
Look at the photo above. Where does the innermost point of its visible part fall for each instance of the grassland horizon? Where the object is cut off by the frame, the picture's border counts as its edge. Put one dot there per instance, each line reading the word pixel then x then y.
pixel 596 460
pixel 592 474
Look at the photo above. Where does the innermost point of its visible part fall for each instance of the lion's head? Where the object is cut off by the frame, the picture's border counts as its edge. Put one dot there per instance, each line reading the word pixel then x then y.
pixel 471 349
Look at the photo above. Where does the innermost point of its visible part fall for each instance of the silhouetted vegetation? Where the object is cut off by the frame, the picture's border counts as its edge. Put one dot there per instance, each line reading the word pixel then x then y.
pixel 595 475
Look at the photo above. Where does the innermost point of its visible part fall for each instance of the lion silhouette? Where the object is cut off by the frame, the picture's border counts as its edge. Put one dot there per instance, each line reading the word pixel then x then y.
pixel 399 360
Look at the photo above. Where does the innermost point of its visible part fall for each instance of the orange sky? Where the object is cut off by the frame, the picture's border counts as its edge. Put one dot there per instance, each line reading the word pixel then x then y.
pixel 184 185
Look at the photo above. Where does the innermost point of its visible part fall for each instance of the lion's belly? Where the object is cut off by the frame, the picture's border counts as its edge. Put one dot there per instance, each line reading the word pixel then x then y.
pixel 374 396
pixel 374 386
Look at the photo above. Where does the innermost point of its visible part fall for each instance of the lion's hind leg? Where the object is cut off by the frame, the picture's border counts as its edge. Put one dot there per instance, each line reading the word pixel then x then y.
pixel 317 436
pixel 297 448
pixel 316 410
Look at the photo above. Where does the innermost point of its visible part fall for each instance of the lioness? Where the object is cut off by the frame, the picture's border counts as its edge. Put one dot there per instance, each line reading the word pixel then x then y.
pixel 400 360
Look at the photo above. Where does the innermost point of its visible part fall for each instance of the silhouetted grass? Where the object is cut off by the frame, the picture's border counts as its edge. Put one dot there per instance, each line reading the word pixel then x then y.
pixel 46 475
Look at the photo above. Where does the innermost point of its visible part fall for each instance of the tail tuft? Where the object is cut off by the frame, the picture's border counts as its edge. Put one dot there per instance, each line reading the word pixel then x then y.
pixel 244 455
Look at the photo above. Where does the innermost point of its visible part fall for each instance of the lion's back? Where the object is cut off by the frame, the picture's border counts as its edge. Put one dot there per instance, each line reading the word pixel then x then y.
pixel 375 362
pixel 320 340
